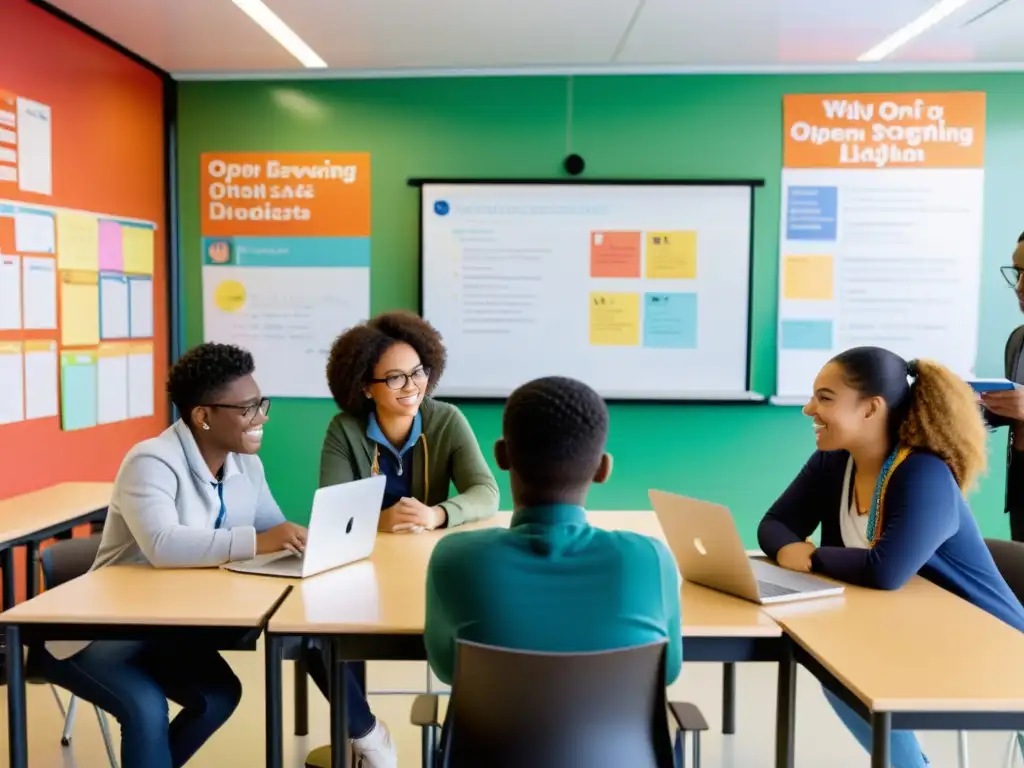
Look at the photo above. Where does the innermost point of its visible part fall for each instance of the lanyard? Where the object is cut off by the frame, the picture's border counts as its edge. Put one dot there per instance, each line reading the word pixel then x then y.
pixel 223 508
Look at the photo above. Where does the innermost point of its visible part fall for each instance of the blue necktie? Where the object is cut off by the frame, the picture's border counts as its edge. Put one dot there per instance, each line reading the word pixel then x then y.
pixel 223 509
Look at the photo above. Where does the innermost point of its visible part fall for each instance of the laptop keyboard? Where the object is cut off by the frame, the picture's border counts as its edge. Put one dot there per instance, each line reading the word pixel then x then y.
pixel 767 589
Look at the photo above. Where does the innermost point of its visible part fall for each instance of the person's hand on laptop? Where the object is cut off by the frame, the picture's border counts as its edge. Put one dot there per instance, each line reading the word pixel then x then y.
pixel 796 556
pixel 284 536
pixel 408 514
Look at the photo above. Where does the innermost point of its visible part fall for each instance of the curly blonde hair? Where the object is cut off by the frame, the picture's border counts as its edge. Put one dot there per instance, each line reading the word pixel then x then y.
pixel 944 419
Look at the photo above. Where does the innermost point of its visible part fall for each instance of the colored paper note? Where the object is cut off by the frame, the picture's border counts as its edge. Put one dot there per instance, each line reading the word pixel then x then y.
pixel 807 334
pixel 672 255
pixel 807 277
pixel 140 380
pixel 79 309
pixel 35 147
pixel 41 379
pixel 12 390
pixel 615 319
pixel 615 254
pixel 34 233
pixel 812 213
pixel 10 293
pixel 137 244
pixel 670 320
pixel 140 303
pixel 113 306
pixel 78 389
pixel 111 246
pixel 39 293
pixel 112 383
pixel 78 241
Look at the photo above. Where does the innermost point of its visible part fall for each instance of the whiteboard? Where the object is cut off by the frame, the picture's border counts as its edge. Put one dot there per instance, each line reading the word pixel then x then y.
pixel 640 290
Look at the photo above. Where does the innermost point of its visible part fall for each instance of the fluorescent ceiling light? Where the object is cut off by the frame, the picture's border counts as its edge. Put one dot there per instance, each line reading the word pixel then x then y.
pixel 281 32
pixel 921 24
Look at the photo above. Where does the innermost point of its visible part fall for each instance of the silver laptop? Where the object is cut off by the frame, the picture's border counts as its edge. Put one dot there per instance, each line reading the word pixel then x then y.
pixel 342 530
pixel 709 551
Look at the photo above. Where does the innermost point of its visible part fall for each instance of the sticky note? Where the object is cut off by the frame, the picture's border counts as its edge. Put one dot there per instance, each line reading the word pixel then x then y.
pixel 137 247
pixel 672 255
pixel 807 334
pixel 41 379
pixel 615 319
pixel 670 320
pixel 33 232
pixel 807 277
pixel 140 303
pixel 812 213
pixel 113 305
pixel 79 309
pixel 12 383
pixel 111 383
pixel 111 246
pixel 78 241
pixel 140 380
pixel 39 292
pixel 10 293
pixel 78 389
pixel 615 254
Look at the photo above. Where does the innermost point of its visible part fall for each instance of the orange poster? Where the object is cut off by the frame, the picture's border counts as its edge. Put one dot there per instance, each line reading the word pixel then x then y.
pixel 884 130
pixel 285 194
pixel 615 254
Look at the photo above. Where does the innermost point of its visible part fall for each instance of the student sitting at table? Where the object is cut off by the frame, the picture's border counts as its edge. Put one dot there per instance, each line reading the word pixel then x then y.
pixel 544 583
pixel 898 444
pixel 192 497
pixel 381 374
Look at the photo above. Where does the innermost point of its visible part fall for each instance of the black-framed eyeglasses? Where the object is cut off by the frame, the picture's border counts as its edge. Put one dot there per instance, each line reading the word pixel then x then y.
pixel 401 380
pixel 248 411
pixel 1012 275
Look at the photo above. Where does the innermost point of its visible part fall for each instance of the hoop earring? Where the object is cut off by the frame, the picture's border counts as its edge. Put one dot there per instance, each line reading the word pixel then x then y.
pixel 206 427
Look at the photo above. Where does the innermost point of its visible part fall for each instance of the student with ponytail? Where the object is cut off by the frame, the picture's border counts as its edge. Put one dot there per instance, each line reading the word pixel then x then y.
pixel 898 446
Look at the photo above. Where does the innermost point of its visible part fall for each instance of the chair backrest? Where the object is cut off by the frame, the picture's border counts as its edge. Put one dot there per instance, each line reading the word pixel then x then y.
pixel 1009 559
pixel 590 710
pixel 68 559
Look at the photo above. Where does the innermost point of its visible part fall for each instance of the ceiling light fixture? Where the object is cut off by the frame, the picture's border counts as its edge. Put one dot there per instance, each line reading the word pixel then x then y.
pixel 918 26
pixel 281 32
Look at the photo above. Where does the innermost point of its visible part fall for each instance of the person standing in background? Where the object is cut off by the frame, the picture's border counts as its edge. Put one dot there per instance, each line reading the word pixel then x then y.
pixel 1006 408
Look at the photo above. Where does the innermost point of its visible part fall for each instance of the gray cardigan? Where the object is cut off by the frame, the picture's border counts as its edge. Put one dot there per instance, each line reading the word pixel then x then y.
pixel 166 501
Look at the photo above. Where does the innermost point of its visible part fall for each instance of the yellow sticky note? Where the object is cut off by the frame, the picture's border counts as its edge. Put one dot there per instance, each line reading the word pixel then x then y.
pixel 78 241
pixel 79 308
pixel 137 248
pixel 615 319
pixel 672 255
pixel 807 277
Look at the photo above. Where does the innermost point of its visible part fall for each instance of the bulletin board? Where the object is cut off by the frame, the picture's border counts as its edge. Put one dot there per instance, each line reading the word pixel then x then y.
pixel 83 268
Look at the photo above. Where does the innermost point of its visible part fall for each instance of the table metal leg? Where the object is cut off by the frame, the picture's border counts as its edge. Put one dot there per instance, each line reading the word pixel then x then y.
pixel 785 723
pixel 7 563
pixel 301 694
pixel 729 698
pixel 274 716
pixel 881 735
pixel 339 709
pixel 31 569
pixel 17 728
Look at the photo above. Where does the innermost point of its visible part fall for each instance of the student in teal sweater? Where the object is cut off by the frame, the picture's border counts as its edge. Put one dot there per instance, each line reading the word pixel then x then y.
pixel 551 582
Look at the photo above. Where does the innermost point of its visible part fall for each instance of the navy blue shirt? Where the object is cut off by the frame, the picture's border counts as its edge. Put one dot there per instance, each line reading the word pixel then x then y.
pixel 927 529
pixel 394 463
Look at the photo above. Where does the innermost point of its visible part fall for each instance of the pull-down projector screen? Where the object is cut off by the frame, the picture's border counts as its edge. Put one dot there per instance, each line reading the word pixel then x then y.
pixel 640 290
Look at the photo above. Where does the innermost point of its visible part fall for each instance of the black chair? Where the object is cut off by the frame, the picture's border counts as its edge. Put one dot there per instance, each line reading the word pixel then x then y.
pixel 1009 559
pixel 589 710
pixel 61 562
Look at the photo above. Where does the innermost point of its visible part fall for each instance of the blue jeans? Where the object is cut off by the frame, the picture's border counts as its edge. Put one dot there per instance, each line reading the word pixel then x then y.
pixel 317 657
pixel 132 680
pixel 904 750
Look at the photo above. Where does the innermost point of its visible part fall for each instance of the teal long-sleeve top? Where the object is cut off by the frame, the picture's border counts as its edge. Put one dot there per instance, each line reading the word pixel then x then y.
pixel 551 583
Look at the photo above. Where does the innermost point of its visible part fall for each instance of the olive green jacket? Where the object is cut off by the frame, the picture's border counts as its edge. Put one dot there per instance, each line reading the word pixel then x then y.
pixel 446 454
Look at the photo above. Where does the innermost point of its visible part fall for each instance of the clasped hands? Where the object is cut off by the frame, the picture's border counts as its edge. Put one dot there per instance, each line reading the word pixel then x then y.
pixel 796 556
pixel 408 514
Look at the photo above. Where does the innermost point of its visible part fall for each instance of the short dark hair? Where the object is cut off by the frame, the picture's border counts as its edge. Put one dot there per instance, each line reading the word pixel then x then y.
pixel 201 373
pixel 1021 238
pixel 555 430
pixel 357 351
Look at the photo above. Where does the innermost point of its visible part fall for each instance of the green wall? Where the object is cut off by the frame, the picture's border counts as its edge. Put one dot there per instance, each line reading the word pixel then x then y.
pixel 650 126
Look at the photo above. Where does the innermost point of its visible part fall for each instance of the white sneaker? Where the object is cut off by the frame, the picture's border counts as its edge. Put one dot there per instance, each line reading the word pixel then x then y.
pixel 376 749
